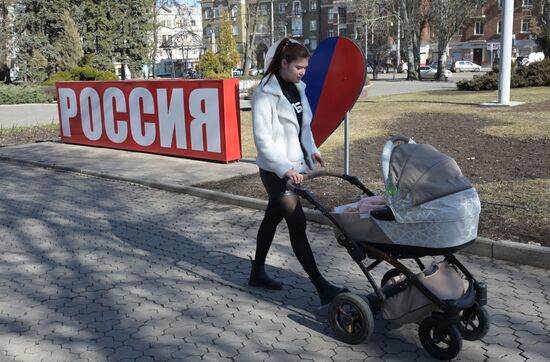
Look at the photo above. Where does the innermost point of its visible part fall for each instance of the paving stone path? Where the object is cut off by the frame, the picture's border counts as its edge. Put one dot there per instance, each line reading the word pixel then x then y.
pixel 98 270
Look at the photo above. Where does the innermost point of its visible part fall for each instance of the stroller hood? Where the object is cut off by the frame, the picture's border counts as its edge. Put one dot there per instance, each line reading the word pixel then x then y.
pixel 433 203
pixel 422 173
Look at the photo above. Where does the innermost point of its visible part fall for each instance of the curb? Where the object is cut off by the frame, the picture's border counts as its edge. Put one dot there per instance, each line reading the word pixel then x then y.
pixel 519 253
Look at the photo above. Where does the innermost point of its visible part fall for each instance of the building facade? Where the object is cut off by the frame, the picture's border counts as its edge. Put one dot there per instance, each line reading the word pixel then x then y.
pixel 480 42
pixel 179 40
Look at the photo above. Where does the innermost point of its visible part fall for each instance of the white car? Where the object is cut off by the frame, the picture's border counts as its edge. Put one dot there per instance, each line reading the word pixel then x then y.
pixel 465 66
pixel 430 73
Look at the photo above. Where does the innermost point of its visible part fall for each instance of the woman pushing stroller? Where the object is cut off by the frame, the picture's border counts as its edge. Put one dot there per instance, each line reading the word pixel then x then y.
pixel 281 119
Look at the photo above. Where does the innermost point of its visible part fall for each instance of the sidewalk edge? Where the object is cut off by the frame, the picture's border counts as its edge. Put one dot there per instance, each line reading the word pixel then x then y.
pixel 525 254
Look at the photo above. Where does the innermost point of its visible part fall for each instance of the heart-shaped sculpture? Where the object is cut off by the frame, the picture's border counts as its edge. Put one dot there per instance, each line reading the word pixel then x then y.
pixel 335 78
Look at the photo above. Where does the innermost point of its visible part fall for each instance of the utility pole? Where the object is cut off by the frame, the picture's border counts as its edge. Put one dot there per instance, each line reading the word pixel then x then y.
pixel 505 72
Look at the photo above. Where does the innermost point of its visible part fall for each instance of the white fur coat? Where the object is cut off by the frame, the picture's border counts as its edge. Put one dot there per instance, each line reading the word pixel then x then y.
pixel 276 129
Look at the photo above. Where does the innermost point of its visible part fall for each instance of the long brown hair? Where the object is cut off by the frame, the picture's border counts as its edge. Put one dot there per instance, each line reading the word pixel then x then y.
pixel 287 50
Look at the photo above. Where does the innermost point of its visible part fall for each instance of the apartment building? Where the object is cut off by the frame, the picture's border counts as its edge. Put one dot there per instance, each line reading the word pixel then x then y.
pixel 179 39
pixel 275 20
pixel 480 42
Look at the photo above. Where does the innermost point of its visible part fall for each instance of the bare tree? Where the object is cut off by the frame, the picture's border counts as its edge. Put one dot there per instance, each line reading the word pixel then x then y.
pixel 414 17
pixel 446 19
pixel 252 13
pixel 376 18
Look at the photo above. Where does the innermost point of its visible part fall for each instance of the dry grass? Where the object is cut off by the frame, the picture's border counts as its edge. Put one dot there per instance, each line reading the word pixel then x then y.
pixel 18 135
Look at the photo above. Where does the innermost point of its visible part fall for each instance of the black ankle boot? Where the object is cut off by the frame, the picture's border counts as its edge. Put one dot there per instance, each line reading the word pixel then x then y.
pixel 259 278
pixel 326 291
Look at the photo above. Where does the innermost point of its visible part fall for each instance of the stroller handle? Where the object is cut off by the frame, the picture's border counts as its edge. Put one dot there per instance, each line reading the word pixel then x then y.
pixel 312 175
pixel 323 173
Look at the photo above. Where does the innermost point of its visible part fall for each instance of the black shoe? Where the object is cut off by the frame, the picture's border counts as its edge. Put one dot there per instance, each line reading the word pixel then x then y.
pixel 259 278
pixel 327 291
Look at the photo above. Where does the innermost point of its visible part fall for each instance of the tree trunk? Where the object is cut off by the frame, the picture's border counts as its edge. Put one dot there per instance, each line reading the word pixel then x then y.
pixel 250 37
pixel 442 60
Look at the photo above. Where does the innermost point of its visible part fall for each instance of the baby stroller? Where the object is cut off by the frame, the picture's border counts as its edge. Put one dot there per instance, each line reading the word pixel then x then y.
pixel 432 210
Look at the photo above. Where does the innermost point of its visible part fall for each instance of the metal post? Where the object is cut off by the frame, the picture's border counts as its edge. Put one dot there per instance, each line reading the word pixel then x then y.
pixel 346 144
pixel 337 21
pixel 506 52
pixel 366 43
pixel 272 25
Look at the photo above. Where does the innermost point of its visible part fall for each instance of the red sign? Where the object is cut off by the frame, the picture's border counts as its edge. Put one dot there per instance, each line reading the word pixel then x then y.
pixel 190 118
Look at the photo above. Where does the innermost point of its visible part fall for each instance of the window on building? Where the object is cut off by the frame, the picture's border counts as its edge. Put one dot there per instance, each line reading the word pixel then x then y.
pixel 312 5
pixel 208 31
pixel 525 24
pixel 234 11
pixel 343 32
pixel 164 39
pixel 216 12
pixel 313 44
pixel 342 15
pixel 527 3
pixel 263 9
pixel 331 32
pixel 281 28
pixel 500 3
pixel 330 15
pixel 297 8
pixel 499 27
pixel 282 8
pixel 235 29
pixel 478 28
pixel 313 25
pixel 262 29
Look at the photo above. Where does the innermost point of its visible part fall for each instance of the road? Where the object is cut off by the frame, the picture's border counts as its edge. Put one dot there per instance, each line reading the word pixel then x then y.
pixel 101 270
pixel 28 115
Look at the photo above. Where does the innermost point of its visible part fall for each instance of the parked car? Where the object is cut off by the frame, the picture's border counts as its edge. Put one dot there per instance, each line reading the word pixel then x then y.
pixel 465 66
pixel 431 73
pixel 237 72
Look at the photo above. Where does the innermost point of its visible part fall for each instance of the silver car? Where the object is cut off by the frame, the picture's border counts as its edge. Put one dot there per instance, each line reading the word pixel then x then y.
pixel 465 66
pixel 427 72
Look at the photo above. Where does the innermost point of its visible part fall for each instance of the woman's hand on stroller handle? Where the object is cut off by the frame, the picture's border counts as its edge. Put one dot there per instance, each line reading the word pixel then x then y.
pixel 294 176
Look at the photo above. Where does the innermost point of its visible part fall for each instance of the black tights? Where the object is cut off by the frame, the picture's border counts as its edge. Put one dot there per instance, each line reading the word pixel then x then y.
pixel 286 206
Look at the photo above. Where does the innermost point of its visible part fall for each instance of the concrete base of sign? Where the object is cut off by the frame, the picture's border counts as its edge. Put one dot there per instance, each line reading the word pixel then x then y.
pixel 497 104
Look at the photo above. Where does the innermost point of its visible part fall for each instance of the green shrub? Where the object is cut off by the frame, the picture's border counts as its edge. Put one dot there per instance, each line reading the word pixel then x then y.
pixel 59 77
pixel 105 75
pixel 81 73
pixel 533 75
pixel 20 94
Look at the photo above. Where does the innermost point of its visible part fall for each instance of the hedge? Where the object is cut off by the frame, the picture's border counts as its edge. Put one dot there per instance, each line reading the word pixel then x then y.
pixel 81 73
pixel 20 94
pixel 532 75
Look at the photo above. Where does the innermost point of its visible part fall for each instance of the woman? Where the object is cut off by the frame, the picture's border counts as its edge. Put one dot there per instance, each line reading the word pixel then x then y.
pixel 281 119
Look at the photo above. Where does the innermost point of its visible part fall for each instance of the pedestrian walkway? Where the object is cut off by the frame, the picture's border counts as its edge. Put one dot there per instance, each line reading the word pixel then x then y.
pixel 102 270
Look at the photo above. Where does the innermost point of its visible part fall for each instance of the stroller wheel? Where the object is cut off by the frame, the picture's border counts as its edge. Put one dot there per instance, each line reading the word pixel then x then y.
pixel 474 323
pixel 388 275
pixel 350 318
pixel 439 338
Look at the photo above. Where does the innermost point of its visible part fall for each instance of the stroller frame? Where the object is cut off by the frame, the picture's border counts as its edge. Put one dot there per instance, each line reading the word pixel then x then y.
pixel 450 312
